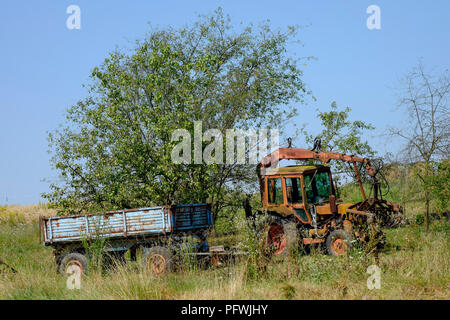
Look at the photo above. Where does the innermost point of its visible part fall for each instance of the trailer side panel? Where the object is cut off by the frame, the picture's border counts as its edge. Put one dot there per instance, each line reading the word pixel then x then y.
pixel 191 216
pixel 130 223
pixel 118 224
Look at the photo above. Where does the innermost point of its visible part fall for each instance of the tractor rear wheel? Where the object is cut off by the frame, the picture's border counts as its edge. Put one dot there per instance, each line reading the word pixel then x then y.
pixel 281 236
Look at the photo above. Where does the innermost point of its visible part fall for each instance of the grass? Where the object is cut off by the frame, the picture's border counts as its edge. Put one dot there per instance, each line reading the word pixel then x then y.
pixel 414 265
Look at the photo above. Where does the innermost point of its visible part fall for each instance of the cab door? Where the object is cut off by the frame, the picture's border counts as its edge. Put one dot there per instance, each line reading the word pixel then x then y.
pixel 317 189
pixel 295 197
pixel 275 194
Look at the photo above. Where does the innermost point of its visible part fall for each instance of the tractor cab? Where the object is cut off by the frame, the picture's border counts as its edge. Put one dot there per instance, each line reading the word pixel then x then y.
pixel 299 190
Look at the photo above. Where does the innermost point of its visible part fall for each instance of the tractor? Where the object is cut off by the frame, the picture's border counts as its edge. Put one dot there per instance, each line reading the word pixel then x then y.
pixel 302 208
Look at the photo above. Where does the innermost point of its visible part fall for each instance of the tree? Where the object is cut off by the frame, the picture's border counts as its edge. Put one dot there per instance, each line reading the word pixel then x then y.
pixel 115 149
pixel 423 95
pixel 339 134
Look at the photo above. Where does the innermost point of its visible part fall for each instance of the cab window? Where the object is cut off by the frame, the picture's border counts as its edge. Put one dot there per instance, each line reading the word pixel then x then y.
pixel 275 195
pixel 317 187
pixel 293 190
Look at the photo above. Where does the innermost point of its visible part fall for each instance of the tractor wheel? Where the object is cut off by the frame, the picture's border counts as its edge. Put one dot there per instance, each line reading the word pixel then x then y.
pixel 338 242
pixel 157 260
pixel 73 263
pixel 281 236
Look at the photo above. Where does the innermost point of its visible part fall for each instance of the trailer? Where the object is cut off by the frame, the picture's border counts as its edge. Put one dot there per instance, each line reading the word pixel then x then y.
pixel 161 232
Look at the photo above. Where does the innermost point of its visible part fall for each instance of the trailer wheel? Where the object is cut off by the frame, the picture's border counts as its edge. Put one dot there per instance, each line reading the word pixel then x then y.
pixel 73 263
pixel 338 242
pixel 157 260
pixel 281 236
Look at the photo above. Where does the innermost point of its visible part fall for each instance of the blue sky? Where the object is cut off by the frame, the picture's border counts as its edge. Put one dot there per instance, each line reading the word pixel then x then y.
pixel 43 64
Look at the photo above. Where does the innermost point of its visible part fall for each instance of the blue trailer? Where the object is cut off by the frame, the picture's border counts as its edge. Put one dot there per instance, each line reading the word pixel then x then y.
pixel 158 231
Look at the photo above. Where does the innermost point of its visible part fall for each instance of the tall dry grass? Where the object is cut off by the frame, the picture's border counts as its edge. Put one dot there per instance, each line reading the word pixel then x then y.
pixel 14 214
pixel 414 265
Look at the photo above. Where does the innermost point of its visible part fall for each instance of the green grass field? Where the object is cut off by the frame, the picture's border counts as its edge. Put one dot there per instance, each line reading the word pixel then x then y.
pixel 414 265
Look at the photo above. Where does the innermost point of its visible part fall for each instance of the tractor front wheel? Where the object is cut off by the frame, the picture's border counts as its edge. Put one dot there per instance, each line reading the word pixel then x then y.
pixel 338 242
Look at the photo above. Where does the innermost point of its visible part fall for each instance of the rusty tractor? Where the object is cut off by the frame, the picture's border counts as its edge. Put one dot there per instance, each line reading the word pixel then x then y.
pixel 302 209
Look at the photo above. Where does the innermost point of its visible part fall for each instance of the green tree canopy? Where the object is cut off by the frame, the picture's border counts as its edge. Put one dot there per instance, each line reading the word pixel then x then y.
pixel 340 134
pixel 114 150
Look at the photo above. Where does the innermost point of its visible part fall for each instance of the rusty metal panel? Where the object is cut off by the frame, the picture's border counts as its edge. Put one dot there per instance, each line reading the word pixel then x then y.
pixel 144 221
pixel 191 216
